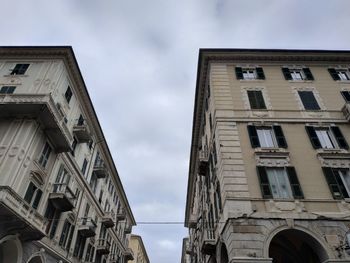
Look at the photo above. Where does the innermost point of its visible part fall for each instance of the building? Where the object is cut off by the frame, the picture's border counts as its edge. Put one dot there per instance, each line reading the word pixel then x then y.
pixel 61 199
pixel 269 167
pixel 138 249
pixel 186 251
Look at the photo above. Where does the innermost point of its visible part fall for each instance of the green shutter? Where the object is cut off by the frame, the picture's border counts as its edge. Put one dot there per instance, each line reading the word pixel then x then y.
pixel 253 136
pixel 281 141
pixel 294 183
pixel 260 73
pixel 239 73
pixel 264 182
pixel 332 183
pixel 308 74
pixel 313 137
pixel 334 74
pixel 339 137
pixel 286 74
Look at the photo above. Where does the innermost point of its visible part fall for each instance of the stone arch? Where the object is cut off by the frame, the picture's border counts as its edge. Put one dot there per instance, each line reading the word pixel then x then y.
pixel 11 249
pixel 36 258
pixel 286 243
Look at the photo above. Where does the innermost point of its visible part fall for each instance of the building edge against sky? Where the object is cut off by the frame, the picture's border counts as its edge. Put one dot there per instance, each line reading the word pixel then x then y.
pixel 61 199
pixel 139 250
pixel 269 163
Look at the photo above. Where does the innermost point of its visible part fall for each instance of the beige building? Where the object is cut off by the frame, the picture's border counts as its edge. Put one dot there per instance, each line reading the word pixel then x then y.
pixel 61 199
pixel 269 168
pixel 138 249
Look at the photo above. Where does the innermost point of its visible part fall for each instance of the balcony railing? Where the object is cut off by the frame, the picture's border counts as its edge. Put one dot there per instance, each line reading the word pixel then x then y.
pixel 18 217
pixel 203 165
pixel 113 258
pixel 87 227
pixel 103 246
pixel 208 243
pixel 108 219
pixel 81 131
pixel 100 169
pixel 128 254
pixel 62 197
pixel 121 214
pixel 42 107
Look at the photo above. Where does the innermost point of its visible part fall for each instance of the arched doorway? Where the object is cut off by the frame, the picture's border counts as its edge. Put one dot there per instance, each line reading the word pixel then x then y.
pixel 10 250
pixel 295 246
pixel 223 254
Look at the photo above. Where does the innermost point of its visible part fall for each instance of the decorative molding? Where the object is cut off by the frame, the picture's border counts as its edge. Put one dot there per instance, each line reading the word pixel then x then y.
pixel 272 157
pixel 334 158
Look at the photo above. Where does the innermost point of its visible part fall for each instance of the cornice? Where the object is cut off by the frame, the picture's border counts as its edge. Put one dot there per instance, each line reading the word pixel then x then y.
pixel 66 53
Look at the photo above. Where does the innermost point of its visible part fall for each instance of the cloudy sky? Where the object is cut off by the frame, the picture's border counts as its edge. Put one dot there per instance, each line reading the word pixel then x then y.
pixel 139 58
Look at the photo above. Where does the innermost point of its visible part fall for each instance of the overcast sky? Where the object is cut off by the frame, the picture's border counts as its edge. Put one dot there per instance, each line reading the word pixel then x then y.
pixel 139 59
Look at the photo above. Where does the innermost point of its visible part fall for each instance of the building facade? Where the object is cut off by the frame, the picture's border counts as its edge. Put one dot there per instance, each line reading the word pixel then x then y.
pixel 138 249
pixel 269 167
pixel 61 199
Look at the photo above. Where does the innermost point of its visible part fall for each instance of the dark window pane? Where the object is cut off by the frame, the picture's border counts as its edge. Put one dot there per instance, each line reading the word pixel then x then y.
pixel 309 100
pixel 19 69
pixel 346 95
pixel 30 192
pixel 68 94
pixel 7 89
pixel 256 99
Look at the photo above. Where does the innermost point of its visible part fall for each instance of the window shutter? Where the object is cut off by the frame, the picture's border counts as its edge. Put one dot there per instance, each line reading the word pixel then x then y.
pixel 332 182
pixel 30 191
pixel 256 99
pixel 253 135
pixel 309 101
pixel 70 237
pixel 286 74
pixel 308 74
pixel 294 183
pixel 264 182
pixel 313 137
pixel 281 141
pixel 346 95
pixel 64 233
pixel 334 73
pixel 339 137
pixel 37 198
pixel 239 73
pixel 260 73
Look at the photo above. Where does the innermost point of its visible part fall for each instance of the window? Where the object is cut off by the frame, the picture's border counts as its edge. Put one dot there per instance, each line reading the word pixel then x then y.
pixel 339 74
pixel 33 195
pixel 89 253
pixel 249 73
pixel 256 99
pixel 297 74
pixel 79 246
pixel 266 136
pixel 81 120
pixel 326 137
pixel 19 69
pixel 68 95
pixel 346 95
pixel 93 182
pixel 338 180
pixel 53 218
pixel 308 99
pixel 279 182
pixel 7 89
pixel 66 235
pixel 45 154
pixel 74 146
pixel 83 168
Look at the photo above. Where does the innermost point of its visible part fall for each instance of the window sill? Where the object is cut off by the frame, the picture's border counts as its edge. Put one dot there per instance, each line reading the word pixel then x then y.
pixel 332 151
pixel 19 75
pixel 300 81
pixel 344 81
pixel 271 150
pixel 251 80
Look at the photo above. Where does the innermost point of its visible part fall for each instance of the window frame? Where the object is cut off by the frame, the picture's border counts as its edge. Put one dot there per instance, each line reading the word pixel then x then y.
pixel 278 138
pixel 305 102
pixel 45 155
pixel 258 105
pixel 35 197
pixel 336 136
pixel 21 70
pixel 7 89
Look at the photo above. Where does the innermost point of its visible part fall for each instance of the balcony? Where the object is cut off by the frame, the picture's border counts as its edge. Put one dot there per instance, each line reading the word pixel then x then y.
pixel 100 169
pixel 346 111
pixel 108 219
pixel 192 222
pixel 128 229
pixel 81 131
pixel 62 197
pixel 128 254
pixel 43 108
pixel 121 214
pixel 203 165
pixel 87 227
pixel 113 258
pixel 103 246
pixel 208 244
pixel 17 217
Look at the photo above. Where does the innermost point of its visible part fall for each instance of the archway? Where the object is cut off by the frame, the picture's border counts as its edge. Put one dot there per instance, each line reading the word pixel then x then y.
pixel 223 254
pixel 296 246
pixel 36 259
pixel 10 250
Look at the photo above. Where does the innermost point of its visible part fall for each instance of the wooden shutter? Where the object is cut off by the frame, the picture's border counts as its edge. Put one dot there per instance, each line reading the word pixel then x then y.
pixel 253 135
pixel 281 141
pixel 264 182
pixel 256 99
pixel 332 183
pixel 313 137
pixel 260 73
pixel 286 74
pixel 37 198
pixel 294 183
pixel 334 74
pixel 346 95
pixel 339 137
pixel 239 73
pixel 308 74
